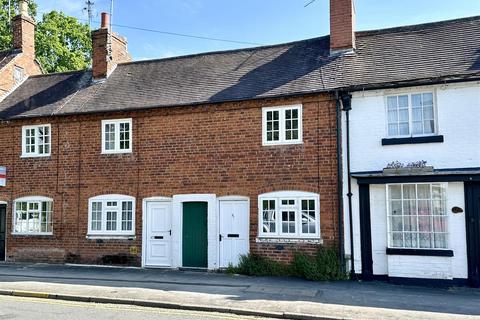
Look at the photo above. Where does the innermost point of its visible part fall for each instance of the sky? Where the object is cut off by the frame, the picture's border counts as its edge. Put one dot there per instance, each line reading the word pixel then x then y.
pixel 261 22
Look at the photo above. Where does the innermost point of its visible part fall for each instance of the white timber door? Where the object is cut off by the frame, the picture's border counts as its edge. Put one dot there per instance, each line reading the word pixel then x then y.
pixel 158 244
pixel 234 231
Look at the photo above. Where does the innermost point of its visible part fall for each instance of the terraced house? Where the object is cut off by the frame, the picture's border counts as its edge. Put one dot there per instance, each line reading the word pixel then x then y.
pixel 192 161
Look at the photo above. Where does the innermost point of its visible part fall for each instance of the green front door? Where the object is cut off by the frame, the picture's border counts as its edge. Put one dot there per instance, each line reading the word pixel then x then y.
pixel 194 241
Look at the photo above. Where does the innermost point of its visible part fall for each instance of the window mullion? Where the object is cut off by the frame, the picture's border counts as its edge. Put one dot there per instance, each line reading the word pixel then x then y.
pixel 117 136
pixel 282 126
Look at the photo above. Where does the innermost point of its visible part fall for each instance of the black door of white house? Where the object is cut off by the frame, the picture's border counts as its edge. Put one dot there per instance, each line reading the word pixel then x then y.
pixel 3 222
pixel 472 221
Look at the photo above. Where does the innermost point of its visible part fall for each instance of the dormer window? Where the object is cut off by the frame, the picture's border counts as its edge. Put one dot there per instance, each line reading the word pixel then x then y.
pixel 411 115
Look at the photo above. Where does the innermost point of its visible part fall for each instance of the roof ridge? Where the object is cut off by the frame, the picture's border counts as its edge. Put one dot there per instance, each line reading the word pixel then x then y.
pixel 59 73
pixel 208 53
pixel 415 27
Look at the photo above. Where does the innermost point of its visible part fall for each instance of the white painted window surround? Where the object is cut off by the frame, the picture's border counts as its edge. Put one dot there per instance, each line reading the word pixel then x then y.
pixel 32 216
pixel 117 136
pixel 36 140
pixel 111 215
pixel 411 114
pixel 282 125
pixel 289 215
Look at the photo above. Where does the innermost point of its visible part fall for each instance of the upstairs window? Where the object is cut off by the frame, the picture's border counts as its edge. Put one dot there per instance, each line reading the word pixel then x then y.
pixel 282 125
pixel 36 140
pixel 33 216
pixel 289 214
pixel 111 215
pixel 117 136
pixel 411 115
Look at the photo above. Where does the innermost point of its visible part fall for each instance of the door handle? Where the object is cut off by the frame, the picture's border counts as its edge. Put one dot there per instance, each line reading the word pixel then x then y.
pixel 220 237
pixel 233 235
pixel 157 237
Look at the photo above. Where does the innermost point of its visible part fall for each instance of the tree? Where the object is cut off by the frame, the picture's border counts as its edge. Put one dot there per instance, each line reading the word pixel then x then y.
pixel 62 42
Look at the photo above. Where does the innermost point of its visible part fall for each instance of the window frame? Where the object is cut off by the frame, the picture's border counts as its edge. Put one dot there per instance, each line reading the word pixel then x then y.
pixel 36 154
pixel 116 123
pixel 282 127
pixel 119 198
pixel 410 113
pixel 298 196
pixel 432 233
pixel 28 200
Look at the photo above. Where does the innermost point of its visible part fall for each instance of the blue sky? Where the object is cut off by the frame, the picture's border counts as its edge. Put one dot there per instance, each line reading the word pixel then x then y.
pixel 257 21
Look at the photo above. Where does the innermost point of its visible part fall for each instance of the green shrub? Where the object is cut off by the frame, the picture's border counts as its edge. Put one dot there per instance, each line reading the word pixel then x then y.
pixel 321 267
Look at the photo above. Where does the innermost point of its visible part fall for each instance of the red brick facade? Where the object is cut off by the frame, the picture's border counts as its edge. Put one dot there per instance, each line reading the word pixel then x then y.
pixel 203 149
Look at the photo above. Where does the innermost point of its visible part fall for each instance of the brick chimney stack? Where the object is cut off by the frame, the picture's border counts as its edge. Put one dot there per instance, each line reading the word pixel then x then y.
pixel 23 27
pixel 109 49
pixel 342 26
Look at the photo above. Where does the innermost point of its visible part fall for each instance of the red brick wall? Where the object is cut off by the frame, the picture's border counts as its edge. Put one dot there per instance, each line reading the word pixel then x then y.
pixel 203 149
pixel 342 25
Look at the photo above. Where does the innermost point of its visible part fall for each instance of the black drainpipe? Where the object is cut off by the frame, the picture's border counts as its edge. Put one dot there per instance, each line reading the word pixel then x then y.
pixel 346 100
pixel 341 242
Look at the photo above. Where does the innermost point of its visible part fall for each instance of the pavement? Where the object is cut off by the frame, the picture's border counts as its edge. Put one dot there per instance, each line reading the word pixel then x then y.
pixel 269 297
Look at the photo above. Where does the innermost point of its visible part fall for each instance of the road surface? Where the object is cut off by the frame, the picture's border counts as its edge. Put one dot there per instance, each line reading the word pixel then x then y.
pixel 20 308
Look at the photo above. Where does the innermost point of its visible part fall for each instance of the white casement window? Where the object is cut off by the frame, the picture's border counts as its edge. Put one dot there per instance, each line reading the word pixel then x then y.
pixel 417 216
pixel 117 136
pixel 32 216
pixel 111 215
pixel 282 125
pixel 289 214
pixel 410 115
pixel 36 140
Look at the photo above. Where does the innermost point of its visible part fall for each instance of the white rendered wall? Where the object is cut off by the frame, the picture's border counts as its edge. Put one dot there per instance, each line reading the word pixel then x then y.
pixel 457 113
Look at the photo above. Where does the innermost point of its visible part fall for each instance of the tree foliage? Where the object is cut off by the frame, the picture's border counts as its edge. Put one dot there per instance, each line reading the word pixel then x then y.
pixel 62 42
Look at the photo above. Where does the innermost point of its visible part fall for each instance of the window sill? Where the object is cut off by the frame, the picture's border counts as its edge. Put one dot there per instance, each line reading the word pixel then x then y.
pixel 420 252
pixel 289 240
pixel 270 144
pixel 16 234
pixel 412 140
pixel 110 237
pixel 116 152
pixel 26 156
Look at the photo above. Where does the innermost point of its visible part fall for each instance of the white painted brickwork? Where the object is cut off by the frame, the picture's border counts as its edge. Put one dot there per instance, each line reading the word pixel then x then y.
pixel 458 112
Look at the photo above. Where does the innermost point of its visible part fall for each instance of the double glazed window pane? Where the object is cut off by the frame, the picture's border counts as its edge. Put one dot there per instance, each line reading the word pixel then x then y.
pixel 398 115
pixel 422 113
pixel 37 140
pixel 117 136
pixel 288 221
pixel 291 124
pixel 110 136
pixel 308 217
pixel 96 219
pixel 282 125
pixel 127 216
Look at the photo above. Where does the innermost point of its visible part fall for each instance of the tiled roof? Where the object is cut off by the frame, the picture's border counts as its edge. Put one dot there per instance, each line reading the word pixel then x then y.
pixel 447 50
pixel 7 56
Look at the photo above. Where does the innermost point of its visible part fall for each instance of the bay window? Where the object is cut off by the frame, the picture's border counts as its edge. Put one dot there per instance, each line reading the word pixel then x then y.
pixel 417 216
pixel 111 215
pixel 289 214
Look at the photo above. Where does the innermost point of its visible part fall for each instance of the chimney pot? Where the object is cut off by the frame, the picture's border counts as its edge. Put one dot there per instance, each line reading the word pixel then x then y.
pixel 105 20
pixel 23 7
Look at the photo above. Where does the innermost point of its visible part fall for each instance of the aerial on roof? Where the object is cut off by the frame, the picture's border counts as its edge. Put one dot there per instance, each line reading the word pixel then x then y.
pixel 447 50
